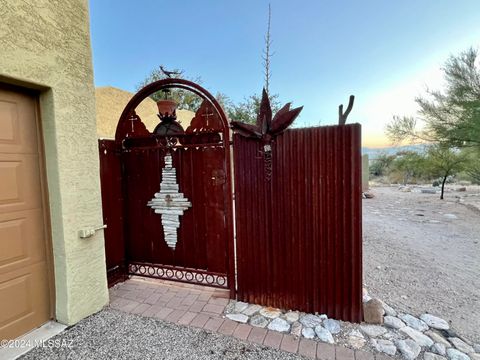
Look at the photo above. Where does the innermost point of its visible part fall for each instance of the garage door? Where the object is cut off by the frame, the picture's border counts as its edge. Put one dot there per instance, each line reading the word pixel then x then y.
pixel 24 281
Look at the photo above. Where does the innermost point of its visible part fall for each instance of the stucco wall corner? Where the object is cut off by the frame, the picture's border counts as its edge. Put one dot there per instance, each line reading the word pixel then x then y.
pixel 46 46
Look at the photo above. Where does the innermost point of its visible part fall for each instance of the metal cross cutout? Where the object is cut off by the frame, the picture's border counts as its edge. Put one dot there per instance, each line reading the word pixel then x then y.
pixel 132 119
pixel 207 115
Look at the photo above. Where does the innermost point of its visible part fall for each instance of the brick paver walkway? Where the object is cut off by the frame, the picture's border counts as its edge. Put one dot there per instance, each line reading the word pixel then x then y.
pixel 202 307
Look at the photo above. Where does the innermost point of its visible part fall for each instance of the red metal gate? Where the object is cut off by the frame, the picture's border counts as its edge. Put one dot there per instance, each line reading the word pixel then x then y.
pixel 131 173
pixel 201 253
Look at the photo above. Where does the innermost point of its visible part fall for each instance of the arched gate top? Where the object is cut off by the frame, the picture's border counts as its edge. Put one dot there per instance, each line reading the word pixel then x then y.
pixel 169 83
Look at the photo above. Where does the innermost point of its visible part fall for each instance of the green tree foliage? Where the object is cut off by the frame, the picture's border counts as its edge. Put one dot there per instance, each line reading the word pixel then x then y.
pixel 441 161
pixel 184 98
pixel 410 164
pixel 381 165
pixel 473 171
pixel 450 117
pixel 247 110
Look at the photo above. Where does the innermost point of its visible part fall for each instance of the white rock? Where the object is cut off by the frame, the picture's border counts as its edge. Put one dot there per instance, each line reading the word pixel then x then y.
pixel 332 325
pixel 389 310
pixel 280 325
pixel 291 316
pixel 439 348
pixel 270 313
pixel 230 306
pixel 474 356
pixel 259 321
pixel 450 216
pixel 393 322
pixel 308 333
pixel 324 335
pixel 409 348
pixel 476 347
pixel 240 306
pixel 366 298
pixel 356 333
pixel 421 339
pixel 414 322
pixel 393 335
pixel 356 339
pixel 386 346
pixel 296 329
pixel 454 354
pixel 252 309
pixel 389 336
pixel 435 322
pixel 310 320
pixel 373 330
pixel 241 318
pixel 437 338
pixel 432 356
pixel 461 345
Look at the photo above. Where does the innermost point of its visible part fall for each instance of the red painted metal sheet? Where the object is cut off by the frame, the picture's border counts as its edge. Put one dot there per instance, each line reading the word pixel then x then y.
pixel 112 202
pixel 298 235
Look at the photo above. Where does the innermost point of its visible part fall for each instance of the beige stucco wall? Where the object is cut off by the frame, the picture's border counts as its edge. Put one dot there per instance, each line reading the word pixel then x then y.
pixel 45 44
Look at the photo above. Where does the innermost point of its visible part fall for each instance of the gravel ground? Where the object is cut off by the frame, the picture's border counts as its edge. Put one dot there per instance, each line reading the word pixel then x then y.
pixel 112 334
pixel 422 254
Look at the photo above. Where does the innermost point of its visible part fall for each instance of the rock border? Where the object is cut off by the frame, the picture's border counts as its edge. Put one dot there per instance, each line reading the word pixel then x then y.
pixel 394 333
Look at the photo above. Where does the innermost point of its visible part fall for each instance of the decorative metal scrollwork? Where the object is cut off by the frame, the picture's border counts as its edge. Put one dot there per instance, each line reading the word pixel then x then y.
pixel 188 275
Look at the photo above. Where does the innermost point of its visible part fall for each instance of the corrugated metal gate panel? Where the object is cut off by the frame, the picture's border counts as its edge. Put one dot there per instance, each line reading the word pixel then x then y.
pixel 298 235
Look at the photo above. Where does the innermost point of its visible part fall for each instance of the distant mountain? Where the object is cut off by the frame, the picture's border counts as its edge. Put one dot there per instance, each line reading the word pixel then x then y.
pixel 392 150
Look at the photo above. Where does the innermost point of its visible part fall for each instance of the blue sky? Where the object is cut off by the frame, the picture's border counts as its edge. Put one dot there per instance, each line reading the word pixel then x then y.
pixel 382 51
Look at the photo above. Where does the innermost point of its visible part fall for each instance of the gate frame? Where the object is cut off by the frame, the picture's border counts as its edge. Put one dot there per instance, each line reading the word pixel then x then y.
pixel 128 111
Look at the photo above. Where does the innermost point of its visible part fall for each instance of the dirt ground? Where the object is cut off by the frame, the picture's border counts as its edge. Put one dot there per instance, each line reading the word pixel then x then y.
pixel 422 254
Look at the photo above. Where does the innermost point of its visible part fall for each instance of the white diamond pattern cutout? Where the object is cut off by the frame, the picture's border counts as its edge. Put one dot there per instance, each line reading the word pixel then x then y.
pixel 170 203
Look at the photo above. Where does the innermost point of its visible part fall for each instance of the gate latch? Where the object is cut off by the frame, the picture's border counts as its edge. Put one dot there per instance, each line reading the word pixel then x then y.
pixel 86 233
pixel 218 177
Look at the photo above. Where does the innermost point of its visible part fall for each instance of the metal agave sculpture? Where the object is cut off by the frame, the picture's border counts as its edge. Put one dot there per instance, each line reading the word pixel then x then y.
pixel 267 127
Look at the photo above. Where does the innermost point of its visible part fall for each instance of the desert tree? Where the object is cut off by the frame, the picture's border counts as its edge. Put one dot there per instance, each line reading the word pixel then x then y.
pixel 450 117
pixel 381 164
pixel 410 164
pixel 247 110
pixel 442 161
